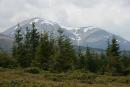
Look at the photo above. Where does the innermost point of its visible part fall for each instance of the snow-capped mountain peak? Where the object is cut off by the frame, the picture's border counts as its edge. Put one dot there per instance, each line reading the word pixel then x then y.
pixel 82 36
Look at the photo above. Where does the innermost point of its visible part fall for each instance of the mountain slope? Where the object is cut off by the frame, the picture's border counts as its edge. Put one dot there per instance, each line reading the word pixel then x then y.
pixel 5 43
pixel 97 38
pixel 83 36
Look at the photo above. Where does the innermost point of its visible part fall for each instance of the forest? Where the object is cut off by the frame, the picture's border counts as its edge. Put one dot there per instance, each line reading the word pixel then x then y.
pixel 55 56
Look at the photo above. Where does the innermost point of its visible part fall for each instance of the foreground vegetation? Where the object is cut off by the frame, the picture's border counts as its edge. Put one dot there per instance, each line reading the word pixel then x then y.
pixel 22 78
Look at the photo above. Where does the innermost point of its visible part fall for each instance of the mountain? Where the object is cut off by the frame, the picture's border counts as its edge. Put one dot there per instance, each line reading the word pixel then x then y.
pixel 97 38
pixel 5 43
pixel 83 36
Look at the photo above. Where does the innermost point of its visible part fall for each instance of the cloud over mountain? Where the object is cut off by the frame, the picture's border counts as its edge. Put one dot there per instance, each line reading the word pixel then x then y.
pixel 81 36
pixel 112 15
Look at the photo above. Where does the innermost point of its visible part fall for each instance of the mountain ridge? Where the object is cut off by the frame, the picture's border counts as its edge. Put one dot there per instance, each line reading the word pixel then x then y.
pixel 82 36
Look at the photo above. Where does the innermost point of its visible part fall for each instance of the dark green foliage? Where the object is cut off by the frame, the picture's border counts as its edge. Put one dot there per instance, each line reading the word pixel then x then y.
pixel 91 61
pixel 45 51
pixel 108 48
pixel 113 54
pixel 126 71
pixel 6 61
pixel 18 47
pixel 34 39
pixel 56 54
pixel 24 48
pixel 82 62
pixel 65 55
pixel 125 61
pixel 88 61
pixel 27 49
pixel 103 61
pixel 114 48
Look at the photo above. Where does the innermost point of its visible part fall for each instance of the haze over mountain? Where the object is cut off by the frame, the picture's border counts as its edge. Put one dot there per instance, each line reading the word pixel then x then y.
pixel 82 36
pixel 5 43
pixel 111 15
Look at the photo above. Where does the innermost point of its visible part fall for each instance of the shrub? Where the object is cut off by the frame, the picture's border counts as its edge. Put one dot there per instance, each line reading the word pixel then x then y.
pixel 6 61
pixel 126 71
pixel 33 70
pixel 84 77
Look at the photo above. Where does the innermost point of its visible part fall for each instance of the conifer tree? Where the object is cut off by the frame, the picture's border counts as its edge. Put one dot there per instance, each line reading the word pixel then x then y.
pixel 27 48
pixel 103 63
pixel 108 55
pixel 108 48
pixel 45 51
pixel 114 48
pixel 66 53
pixel 125 60
pixel 82 60
pixel 77 63
pixel 114 56
pixel 18 48
pixel 91 62
pixel 34 39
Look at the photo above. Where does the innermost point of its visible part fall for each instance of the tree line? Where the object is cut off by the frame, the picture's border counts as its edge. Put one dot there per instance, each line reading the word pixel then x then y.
pixel 55 53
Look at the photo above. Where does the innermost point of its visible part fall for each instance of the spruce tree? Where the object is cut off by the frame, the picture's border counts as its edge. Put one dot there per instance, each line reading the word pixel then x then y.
pixel 91 61
pixel 103 63
pixel 18 48
pixel 108 48
pixel 66 54
pixel 82 62
pixel 45 51
pixel 125 61
pixel 34 40
pixel 114 56
pixel 114 48
pixel 77 62
pixel 27 47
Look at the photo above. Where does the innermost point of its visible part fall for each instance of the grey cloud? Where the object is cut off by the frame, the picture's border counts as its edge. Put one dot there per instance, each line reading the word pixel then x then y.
pixel 85 3
pixel 112 15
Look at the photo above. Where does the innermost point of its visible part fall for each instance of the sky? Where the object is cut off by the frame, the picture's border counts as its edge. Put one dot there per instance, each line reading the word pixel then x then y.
pixel 110 15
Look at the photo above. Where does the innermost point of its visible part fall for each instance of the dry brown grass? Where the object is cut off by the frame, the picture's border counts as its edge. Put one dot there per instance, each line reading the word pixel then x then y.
pixel 18 78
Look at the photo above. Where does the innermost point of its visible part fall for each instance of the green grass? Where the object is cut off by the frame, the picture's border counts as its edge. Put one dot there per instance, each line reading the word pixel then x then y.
pixel 20 78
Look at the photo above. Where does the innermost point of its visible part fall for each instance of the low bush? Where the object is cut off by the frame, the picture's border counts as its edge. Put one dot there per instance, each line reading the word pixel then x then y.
pixel 32 70
pixel 6 61
pixel 84 77
pixel 126 71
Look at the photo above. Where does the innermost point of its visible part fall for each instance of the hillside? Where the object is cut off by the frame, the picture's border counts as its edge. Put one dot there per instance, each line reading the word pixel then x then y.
pixel 83 36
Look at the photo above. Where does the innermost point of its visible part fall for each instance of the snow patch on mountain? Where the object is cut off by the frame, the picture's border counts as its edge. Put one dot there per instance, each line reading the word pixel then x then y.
pixel 82 36
pixel 36 20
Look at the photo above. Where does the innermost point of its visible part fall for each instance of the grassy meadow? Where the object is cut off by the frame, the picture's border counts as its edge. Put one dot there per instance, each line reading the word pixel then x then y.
pixel 23 78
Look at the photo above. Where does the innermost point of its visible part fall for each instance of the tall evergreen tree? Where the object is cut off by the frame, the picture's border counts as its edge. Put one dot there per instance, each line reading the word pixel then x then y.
pixel 82 62
pixel 18 49
pixel 45 51
pixel 34 39
pixel 114 48
pixel 77 62
pixel 103 63
pixel 108 48
pixel 66 53
pixel 91 62
pixel 108 55
pixel 125 61
pixel 27 48
pixel 114 56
